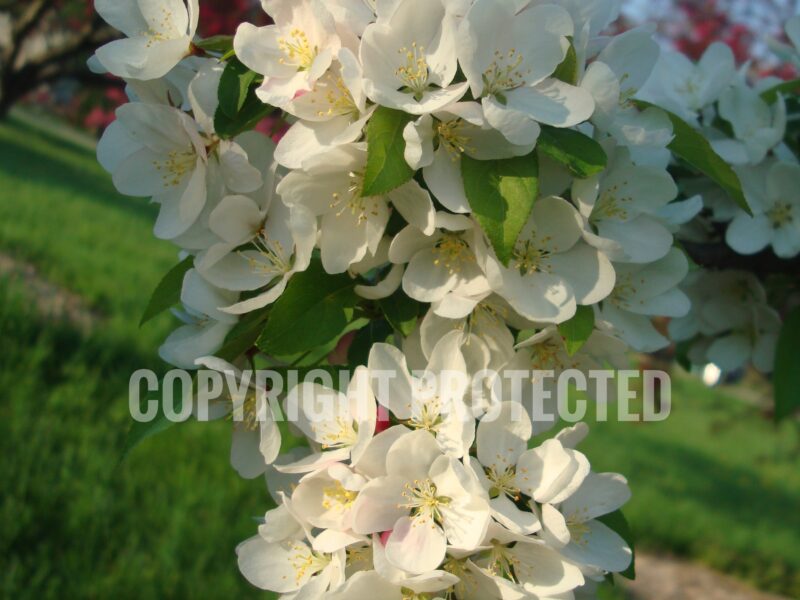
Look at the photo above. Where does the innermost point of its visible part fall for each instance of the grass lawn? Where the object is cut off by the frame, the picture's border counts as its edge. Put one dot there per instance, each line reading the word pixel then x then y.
pixel 714 482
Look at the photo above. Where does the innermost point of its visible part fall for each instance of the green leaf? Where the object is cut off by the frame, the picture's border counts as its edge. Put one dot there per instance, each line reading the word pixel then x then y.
pixel 617 522
pixel 244 335
pixel 691 146
pixel 168 291
pixel 139 432
pixel 387 168
pixel 501 194
pixel 252 113
pixel 234 87
pixel 582 155
pixel 314 310
pixel 682 355
pixel 567 71
pixel 787 373
pixel 770 96
pixel 375 332
pixel 578 329
pixel 216 43
pixel 240 109
pixel 401 311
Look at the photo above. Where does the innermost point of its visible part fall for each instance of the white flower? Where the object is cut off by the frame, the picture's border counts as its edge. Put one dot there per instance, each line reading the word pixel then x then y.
pixel 643 291
pixel 459 129
pixel 546 352
pixel 331 114
pixel 684 88
pixel 516 567
pixel 291 54
pixel 776 220
pixel 441 264
pixel 757 126
pixel 484 328
pixel 205 326
pixel 352 226
pixel 256 438
pixel 341 424
pixel 159 151
pixel 552 269
pixel 432 400
pixel 159 35
pixel 325 499
pixel 278 242
pixel 427 500
pixel 154 150
pixel 280 560
pixel 510 71
pixel 436 580
pixel 754 342
pixel 613 79
pixel 502 438
pixel 409 59
pixel 622 205
pixel 572 527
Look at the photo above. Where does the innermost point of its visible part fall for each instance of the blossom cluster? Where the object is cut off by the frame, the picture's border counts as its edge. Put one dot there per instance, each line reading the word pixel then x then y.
pixel 484 162
pixel 746 124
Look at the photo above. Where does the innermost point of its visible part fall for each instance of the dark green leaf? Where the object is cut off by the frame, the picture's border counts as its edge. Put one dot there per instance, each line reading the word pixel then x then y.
pixel 770 96
pixel 375 332
pixel 234 87
pixel 787 368
pixel 168 292
pixel 617 522
pixel 253 112
pixel 501 194
pixel 314 310
pixel 691 146
pixel 244 335
pixel 387 168
pixel 578 329
pixel 582 155
pixel 221 44
pixel 401 311
pixel 682 355
pixel 139 432
pixel 567 71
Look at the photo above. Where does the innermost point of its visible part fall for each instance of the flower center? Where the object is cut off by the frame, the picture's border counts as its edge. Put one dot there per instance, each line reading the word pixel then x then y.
pixel 503 482
pixel 452 252
pixel 529 256
pixel 305 562
pixel 451 136
pixel 547 356
pixel 502 562
pixel 578 531
pixel 339 433
pixel 429 415
pixel 337 497
pixel 504 73
pixel 273 259
pixel 336 96
pixel 423 502
pixel 610 206
pixel 246 415
pixel 175 166
pixel 414 74
pixel 780 215
pixel 297 50
pixel 359 206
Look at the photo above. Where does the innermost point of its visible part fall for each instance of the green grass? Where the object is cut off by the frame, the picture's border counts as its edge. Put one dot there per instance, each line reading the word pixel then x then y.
pixel 715 482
